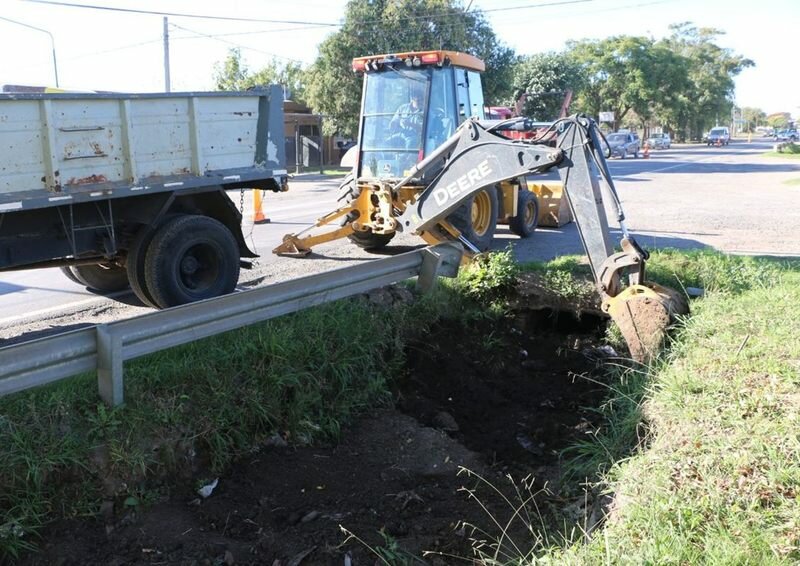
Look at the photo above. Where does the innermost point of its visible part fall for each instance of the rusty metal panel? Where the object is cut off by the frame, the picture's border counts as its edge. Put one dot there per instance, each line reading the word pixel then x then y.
pixel 61 144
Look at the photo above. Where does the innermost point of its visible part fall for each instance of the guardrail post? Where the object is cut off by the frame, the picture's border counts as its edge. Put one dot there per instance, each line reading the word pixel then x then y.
pixel 109 365
pixel 442 260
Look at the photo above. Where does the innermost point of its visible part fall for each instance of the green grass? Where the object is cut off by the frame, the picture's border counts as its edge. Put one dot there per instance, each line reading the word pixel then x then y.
pixel 701 449
pixel 791 151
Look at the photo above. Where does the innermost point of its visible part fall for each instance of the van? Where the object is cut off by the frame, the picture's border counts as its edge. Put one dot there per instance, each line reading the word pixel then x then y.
pixel 718 136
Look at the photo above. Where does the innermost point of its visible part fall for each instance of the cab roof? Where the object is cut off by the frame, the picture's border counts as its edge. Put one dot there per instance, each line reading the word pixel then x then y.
pixel 419 58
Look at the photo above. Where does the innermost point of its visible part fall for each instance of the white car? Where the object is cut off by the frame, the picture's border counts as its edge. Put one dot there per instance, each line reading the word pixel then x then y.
pixel 659 141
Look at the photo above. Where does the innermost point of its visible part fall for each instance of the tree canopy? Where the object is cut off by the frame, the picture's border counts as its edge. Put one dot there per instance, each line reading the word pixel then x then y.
pixel 392 26
pixel 710 70
pixel 233 74
pixel 683 82
pixel 544 79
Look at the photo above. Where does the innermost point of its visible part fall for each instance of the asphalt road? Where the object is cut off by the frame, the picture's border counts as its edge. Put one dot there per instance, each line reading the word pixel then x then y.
pixel 731 199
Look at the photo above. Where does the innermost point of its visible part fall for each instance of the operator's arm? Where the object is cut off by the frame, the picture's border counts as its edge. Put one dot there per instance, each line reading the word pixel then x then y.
pixel 397 120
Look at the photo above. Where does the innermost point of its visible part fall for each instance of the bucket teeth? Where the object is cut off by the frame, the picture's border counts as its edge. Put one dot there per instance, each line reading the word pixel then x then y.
pixel 291 246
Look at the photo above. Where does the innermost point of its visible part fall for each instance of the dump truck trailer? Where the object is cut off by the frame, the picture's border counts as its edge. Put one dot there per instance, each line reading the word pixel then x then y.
pixel 130 189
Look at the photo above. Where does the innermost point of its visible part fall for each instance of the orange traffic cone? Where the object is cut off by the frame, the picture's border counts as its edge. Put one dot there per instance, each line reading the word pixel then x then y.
pixel 258 214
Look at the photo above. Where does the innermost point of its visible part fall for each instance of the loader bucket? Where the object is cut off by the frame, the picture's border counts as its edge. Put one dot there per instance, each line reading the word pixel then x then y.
pixel 644 313
pixel 553 206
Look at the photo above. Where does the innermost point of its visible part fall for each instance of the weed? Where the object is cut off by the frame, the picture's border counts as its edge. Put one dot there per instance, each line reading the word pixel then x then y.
pixel 103 422
pixel 516 535
pixel 489 275
pixel 389 553
pixel 566 285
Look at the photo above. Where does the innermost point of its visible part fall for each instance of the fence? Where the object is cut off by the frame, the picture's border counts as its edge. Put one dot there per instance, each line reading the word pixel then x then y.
pixel 105 347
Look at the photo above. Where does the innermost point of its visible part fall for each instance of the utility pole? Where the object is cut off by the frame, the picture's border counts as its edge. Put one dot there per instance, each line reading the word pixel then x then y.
pixel 166 55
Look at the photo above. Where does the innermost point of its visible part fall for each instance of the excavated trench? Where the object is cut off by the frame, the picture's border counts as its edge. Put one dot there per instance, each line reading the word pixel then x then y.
pixel 499 399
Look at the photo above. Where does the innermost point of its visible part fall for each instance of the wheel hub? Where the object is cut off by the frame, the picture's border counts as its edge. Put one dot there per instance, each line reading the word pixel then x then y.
pixel 189 265
pixel 481 213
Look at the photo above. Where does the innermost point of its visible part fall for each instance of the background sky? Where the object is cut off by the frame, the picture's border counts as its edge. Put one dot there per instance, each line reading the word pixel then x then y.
pixel 119 51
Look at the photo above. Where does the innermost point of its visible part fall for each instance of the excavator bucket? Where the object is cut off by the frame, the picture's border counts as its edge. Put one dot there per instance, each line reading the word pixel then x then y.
pixel 644 313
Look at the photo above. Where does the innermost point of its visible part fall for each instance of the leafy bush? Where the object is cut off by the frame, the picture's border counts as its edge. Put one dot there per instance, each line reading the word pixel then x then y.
pixel 489 275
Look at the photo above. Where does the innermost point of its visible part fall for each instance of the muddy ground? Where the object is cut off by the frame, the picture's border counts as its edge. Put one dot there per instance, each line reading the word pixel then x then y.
pixel 496 399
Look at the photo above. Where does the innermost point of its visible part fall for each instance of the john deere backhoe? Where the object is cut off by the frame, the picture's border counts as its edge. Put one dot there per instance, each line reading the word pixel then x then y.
pixel 429 164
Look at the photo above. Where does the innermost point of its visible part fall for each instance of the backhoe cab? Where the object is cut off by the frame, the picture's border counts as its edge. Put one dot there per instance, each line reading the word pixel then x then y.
pixel 429 164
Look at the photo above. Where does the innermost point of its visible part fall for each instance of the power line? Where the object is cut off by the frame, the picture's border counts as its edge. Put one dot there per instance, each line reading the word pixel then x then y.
pixel 232 43
pixel 178 14
pixel 443 15
pixel 531 6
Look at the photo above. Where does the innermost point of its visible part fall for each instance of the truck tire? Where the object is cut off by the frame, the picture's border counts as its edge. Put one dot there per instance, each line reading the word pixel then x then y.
pixel 101 277
pixel 527 217
pixel 135 266
pixel 366 240
pixel 476 218
pixel 67 271
pixel 191 258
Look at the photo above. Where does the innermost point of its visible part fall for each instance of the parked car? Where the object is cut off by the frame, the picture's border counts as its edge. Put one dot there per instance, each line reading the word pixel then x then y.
pixel 623 144
pixel 786 135
pixel 718 136
pixel 659 141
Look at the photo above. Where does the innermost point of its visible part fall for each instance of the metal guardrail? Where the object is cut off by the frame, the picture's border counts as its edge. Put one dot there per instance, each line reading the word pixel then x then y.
pixel 106 347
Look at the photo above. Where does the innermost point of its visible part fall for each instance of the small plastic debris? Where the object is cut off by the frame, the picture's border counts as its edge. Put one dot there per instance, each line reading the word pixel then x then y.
pixel 207 490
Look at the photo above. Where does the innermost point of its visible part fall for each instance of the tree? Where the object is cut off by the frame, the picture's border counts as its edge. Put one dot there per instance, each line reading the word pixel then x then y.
pixel 753 118
pixel 779 120
pixel 544 79
pixel 619 75
pixel 392 26
pixel 711 70
pixel 232 74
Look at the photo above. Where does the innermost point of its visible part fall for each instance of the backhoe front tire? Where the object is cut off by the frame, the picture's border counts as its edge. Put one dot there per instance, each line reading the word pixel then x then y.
pixel 189 259
pixel 527 217
pixel 348 192
pixel 101 277
pixel 476 218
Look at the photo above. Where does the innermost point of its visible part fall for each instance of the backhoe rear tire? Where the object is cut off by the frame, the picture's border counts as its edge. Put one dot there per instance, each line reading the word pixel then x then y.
pixel 527 218
pixel 348 192
pixel 476 218
pixel 101 277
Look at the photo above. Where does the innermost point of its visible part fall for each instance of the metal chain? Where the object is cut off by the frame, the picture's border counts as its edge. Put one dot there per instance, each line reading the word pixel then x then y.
pixel 241 201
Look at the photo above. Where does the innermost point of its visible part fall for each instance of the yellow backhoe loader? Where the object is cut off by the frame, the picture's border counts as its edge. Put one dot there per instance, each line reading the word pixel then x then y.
pixel 430 164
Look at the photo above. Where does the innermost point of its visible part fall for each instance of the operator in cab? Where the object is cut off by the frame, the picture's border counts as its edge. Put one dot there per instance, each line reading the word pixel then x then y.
pixel 408 118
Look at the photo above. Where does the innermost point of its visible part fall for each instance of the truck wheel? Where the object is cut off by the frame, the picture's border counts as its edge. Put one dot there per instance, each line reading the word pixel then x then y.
pixel 102 277
pixel 135 266
pixel 366 240
pixel 191 258
pixel 67 271
pixel 527 217
pixel 476 218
